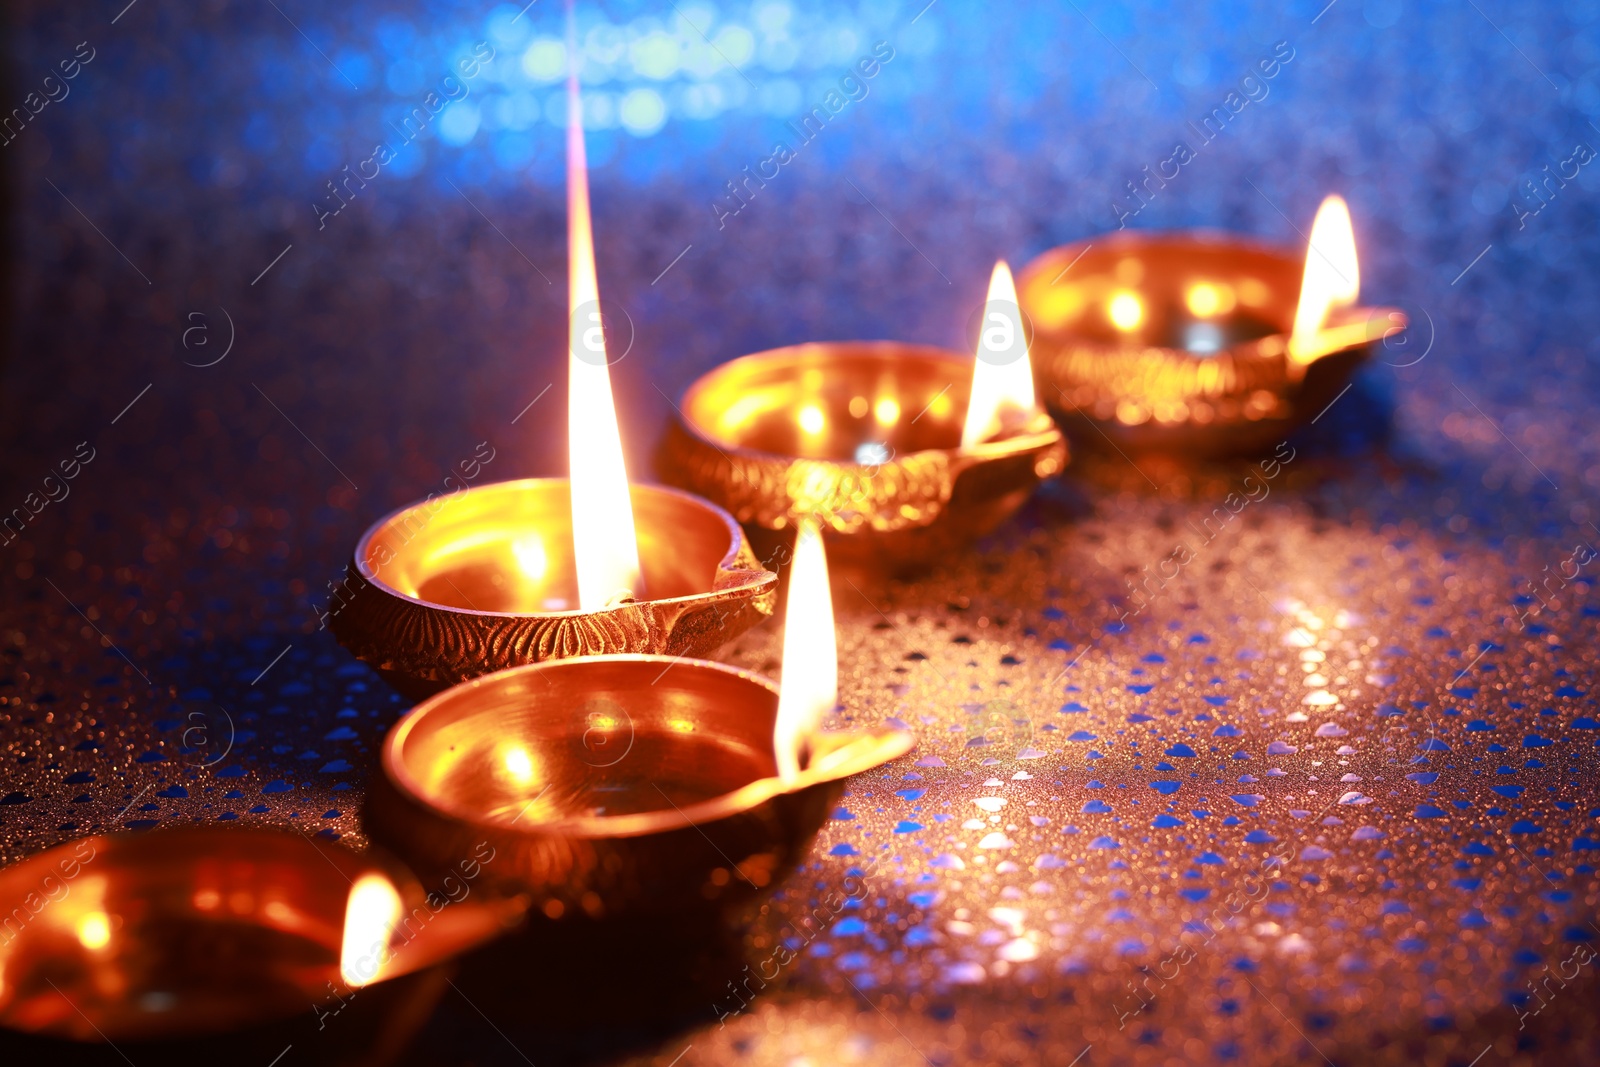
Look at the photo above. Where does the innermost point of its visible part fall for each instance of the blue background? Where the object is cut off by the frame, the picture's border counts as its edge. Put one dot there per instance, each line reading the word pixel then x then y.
pixel 174 190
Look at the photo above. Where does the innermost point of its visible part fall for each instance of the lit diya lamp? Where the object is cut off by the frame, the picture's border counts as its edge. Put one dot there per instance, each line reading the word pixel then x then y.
pixel 517 572
pixel 184 946
pixel 628 786
pixel 901 453
pixel 1195 343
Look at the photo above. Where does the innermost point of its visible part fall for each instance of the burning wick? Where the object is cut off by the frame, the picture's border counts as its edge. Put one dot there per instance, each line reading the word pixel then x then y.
pixel 1002 398
pixel 1332 280
pixel 810 684
pixel 370 914
pixel 604 544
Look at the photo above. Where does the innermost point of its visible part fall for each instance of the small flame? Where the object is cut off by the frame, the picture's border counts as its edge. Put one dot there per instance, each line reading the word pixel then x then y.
pixel 1332 279
pixel 1002 376
pixel 604 544
pixel 810 652
pixel 370 914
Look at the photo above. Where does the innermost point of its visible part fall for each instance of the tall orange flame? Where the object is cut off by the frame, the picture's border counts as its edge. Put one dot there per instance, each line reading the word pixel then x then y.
pixel 604 543
pixel 1332 278
pixel 810 684
pixel 1002 376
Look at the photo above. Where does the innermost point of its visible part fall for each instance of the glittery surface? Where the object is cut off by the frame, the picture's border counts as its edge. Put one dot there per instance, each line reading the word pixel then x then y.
pixel 1302 774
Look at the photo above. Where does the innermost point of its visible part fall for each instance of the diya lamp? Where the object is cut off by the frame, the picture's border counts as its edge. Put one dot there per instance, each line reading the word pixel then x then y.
pixel 901 453
pixel 631 787
pixel 179 946
pixel 1199 344
pixel 517 572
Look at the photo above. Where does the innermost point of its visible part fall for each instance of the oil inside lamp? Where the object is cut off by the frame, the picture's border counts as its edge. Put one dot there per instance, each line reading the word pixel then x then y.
pixel 1134 292
pixel 605 549
pixel 810 654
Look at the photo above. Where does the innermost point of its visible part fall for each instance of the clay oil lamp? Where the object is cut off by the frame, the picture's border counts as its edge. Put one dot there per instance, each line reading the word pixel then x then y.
pixel 903 454
pixel 621 787
pixel 523 571
pixel 188 945
pixel 1199 344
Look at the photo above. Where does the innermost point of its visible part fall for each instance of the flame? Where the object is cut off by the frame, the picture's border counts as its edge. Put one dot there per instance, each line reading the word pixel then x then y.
pixel 810 652
pixel 1002 376
pixel 1332 278
pixel 603 538
pixel 370 914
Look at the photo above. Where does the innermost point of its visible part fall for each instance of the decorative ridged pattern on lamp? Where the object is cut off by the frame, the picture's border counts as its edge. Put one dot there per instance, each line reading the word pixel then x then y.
pixel 776 491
